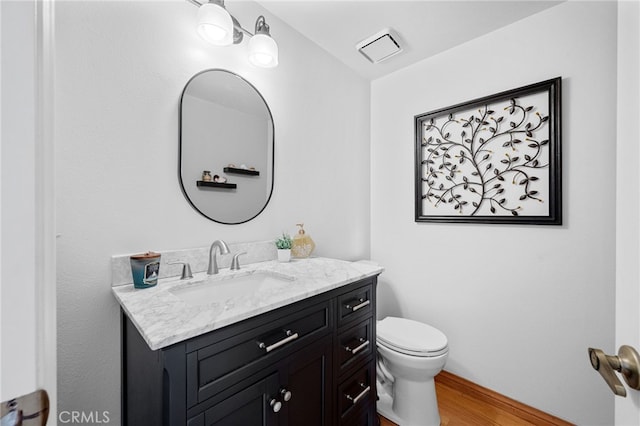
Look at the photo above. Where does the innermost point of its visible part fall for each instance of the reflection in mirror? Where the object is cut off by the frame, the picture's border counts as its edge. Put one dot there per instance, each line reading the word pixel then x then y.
pixel 226 128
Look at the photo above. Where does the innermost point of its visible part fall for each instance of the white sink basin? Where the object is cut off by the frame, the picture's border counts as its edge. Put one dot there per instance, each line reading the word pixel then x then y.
pixel 222 288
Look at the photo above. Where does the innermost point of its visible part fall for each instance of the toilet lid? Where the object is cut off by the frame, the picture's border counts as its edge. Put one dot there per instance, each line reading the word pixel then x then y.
pixel 411 337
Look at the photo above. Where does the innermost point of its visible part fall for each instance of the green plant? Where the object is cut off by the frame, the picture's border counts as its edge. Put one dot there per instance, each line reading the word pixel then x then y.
pixel 284 242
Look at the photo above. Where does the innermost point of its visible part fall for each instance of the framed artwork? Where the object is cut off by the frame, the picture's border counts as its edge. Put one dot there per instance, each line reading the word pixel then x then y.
pixel 492 160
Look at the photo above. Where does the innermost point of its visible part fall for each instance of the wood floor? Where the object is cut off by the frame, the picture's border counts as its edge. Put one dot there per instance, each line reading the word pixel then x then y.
pixel 463 403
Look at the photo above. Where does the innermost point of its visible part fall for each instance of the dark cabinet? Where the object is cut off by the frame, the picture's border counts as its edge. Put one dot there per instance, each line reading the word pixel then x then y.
pixel 310 383
pixel 310 363
pixel 253 405
pixel 296 394
pixel 355 355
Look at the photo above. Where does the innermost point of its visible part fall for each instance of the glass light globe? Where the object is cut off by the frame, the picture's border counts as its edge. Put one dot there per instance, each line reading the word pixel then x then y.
pixel 215 24
pixel 263 51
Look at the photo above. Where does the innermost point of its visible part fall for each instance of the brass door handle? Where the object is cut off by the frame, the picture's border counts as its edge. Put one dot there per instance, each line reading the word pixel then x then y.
pixel 627 363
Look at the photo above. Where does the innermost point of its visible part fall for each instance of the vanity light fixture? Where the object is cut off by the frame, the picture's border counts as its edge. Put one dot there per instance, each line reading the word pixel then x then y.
pixel 218 27
pixel 215 24
pixel 263 50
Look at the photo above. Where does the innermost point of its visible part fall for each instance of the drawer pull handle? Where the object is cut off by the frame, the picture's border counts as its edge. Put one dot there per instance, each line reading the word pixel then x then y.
pixel 358 348
pixel 290 336
pixel 360 305
pixel 361 395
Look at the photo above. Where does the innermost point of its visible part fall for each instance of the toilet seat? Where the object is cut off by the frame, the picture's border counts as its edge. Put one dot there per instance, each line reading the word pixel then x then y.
pixel 411 337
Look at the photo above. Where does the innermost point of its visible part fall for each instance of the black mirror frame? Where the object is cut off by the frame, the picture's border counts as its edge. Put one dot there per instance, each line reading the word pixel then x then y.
pixel 180 146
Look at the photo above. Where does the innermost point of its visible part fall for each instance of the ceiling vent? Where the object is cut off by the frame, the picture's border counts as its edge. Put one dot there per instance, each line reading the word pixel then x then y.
pixel 380 46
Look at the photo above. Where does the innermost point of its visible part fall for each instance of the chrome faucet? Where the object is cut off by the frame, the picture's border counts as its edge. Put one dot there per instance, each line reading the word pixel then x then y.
pixel 213 263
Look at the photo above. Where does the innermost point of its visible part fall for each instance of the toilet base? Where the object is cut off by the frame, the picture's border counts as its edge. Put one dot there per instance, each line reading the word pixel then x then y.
pixel 426 414
pixel 384 406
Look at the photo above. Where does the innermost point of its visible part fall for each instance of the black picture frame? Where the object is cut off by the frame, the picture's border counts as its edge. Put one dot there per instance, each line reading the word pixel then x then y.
pixel 495 159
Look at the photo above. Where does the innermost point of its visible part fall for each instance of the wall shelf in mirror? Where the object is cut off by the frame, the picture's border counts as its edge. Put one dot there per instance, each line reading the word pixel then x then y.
pixel 206 184
pixel 241 171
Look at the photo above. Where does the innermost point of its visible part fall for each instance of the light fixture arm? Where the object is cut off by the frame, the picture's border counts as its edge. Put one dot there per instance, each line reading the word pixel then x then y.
pixel 195 3
pixel 247 32
pixel 261 26
pixel 237 31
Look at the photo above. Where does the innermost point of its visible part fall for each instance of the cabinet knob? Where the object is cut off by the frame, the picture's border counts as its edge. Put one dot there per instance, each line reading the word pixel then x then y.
pixel 275 405
pixel 286 395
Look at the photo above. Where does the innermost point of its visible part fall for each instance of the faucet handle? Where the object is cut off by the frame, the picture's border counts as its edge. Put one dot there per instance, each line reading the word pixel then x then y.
pixel 235 263
pixel 186 269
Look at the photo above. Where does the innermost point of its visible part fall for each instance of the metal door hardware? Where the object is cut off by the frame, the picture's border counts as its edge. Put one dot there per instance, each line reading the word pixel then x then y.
pixel 362 344
pixel 290 336
pixel 361 303
pixel 361 395
pixel 275 405
pixel 627 363
pixel 286 394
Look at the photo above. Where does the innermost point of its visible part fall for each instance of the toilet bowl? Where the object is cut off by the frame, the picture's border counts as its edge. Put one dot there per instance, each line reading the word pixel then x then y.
pixel 410 355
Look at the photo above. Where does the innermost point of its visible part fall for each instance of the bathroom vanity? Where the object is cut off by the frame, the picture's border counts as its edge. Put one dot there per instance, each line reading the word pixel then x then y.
pixel 294 353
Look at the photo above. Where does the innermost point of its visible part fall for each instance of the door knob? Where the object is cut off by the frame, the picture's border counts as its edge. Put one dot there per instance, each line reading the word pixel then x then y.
pixel 627 363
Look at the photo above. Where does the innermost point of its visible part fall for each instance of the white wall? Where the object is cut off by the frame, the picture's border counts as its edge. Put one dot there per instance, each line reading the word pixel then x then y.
pixel 519 304
pixel 121 67
pixel 18 328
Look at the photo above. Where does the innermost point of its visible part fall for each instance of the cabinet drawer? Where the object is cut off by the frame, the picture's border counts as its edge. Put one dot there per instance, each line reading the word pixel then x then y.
pixel 217 366
pixel 355 344
pixel 355 304
pixel 365 417
pixel 196 421
pixel 357 392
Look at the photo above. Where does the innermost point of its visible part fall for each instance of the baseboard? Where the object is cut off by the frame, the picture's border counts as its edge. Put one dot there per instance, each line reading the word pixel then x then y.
pixel 497 400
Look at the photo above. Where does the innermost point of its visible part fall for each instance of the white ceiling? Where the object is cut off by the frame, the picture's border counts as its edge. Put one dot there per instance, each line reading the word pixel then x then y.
pixel 425 27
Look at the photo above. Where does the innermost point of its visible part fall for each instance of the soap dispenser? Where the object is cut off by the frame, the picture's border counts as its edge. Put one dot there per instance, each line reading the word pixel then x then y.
pixel 302 244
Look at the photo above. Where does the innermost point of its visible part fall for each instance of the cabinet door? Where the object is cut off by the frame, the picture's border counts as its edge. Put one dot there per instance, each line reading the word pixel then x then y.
pixel 250 406
pixel 309 381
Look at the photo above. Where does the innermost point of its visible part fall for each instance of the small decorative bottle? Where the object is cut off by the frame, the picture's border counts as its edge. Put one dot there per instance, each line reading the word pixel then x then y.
pixel 206 176
pixel 302 245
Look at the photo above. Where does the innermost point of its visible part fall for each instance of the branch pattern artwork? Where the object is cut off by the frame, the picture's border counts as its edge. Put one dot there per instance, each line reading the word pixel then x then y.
pixel 492 160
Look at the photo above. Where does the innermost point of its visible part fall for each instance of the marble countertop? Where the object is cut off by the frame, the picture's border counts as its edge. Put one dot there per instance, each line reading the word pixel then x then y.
pixel 162 318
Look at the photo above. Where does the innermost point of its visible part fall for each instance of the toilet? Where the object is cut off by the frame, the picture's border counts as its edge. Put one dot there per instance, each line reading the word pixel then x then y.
pixel 410 355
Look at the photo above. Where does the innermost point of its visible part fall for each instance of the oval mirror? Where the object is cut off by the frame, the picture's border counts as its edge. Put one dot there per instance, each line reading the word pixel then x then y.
pixel 226 128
